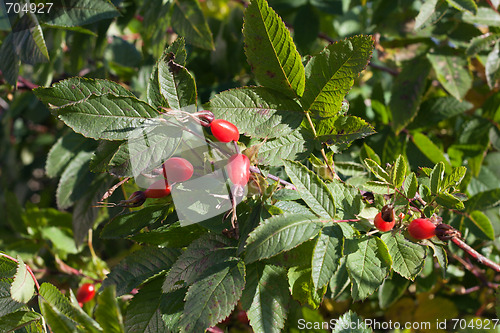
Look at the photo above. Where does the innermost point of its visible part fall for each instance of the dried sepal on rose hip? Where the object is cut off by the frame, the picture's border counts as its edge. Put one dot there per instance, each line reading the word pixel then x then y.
pixel 386 219
pixel 85 293
pixel 422 228
pixel 224 131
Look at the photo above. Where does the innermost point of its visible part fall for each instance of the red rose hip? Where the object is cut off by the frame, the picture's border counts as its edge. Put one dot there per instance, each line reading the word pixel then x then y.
pixel 224 131
pixel 85 293
pixel 385 220
pixel 158 189
pixel 422 229
pixel 177 169
pixel 238 169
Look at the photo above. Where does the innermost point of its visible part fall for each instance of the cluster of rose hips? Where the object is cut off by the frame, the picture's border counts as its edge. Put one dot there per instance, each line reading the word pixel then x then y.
pixel 421 228
pixel 179 169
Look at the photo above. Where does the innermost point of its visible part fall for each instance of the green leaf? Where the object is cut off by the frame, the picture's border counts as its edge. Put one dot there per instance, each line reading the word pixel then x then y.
pixel 176 84
pixel 110 154
pixel 368 263
pixel 85 213
pixel 330 75
pixel 128 224
pixel 378 187
pixel 37 35
pixel 266 297
pixel 398 172
pixel 302 287
pixel 430 150
pixel 455 177
pixel 434 110
pixel 483 223
pixel 407 257
pixel 8 267
pixel 340 280
pixel 79 315
pixel 55 300
pixel 140 266
pixel 108 117
pixel 439 253
pixel 61 238
pixel 311 188
pixel 484 200
pixel 342 131
pixel 327 254
pixel 437 177
pixel 295 146
pixel 144 311
pixel 430 12
pixel 484 16
pixel 410 186
pixel 280 233
pixel 368 152
pixel 56 320
pixel 378 171
pixel 464 5
pixel 17 320
pixel 107 312
pixel 73 180
pixel 270 50
pixel 257 111
pixel 11 63
pixel 78 89
pixel 407 91
pixel 191 266
pixel 492 66
pixel 213 298
pixel 86 12
pixel 451 72
pixel 23 286
pixel 189 22
pixel 348 200
pixel 391 290
pixel 7 304
pixel 449 201
pixel 177 50
pixel 350 319
pixel 482 43
pixel 64 150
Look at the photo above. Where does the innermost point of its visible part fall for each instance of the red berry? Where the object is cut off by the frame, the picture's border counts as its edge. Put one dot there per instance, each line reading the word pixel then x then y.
pixel 177 169
pixel 385 220
pixel 243 318
pixel 158 189
pixel 224 131
pixel 401 216
pixel 85 293
pixel 238 169
pixel 422 229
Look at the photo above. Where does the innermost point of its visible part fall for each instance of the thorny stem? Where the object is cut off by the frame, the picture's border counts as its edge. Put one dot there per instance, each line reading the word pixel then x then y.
pixel 27 267
pixel 476 255
pixel 255 169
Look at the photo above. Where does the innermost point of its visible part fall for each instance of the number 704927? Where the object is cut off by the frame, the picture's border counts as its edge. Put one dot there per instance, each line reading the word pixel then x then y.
pixel 34 8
